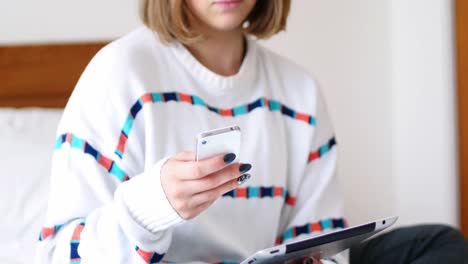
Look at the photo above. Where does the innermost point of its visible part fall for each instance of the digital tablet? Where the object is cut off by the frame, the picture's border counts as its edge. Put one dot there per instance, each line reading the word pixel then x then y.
pixel 322 246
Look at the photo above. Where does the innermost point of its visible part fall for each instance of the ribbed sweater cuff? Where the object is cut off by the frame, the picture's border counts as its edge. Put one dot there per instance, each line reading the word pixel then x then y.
pixel 145 213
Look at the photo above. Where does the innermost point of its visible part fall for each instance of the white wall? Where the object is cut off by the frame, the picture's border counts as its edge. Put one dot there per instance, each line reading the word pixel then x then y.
pixel 54 20
pixel 386 70
pixel 425 167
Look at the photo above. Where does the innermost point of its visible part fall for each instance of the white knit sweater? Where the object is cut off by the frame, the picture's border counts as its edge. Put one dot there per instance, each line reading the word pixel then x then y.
pixel 140 101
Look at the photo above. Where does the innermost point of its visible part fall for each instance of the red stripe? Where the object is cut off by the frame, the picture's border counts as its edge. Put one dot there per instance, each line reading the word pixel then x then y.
pixel 241 192
pixel 146 98
pixel 314 155
pixel 185 98
pixel 77 233
pixel 122 141
pixel 279 240
pixel 47 232
pixel 278 191
pixel 146 256
pixel 291 200
pixel 105 162
pixel 225 112
pixel 316 227
pixel 69 138
pixel 303 117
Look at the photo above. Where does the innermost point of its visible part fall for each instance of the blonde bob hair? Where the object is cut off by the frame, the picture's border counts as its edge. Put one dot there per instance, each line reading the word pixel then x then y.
pixel 169 18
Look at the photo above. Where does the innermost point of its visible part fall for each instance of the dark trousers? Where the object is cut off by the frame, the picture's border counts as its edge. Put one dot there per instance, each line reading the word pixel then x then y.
pixel 418 244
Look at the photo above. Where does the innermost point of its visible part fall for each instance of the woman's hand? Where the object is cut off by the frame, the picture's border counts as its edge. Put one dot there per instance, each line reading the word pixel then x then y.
pixel 191 186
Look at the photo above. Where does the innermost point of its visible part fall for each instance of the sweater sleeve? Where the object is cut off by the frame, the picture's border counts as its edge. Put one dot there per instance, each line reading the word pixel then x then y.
pixel 318 206
pixel 100 209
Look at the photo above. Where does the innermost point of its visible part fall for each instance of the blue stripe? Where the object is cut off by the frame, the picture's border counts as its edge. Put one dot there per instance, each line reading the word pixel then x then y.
pixel 156 258
pixel 74 250
pixel 304 229
pixel 266 191
pixel 213 109
pixel 230 193
pixel 136 108
pixel 255 104
pixel 170 97
pixel 91 151
pixel 288 111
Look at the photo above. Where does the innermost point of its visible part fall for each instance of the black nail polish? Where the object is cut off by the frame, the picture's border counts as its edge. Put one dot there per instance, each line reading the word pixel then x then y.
pixel 245 168
pixel 243 178
pixel 228 158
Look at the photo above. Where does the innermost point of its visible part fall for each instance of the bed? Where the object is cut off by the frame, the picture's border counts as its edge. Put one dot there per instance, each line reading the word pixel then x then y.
pixel 35 82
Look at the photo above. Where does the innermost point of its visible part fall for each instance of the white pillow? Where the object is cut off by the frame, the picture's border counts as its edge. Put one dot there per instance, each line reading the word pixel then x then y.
pixel 27 139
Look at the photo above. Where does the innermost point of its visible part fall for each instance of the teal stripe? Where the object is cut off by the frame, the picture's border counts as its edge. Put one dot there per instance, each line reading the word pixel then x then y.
pixel 77 142
pixel 253 192
pixel 262 103
pixel 274 105
pixel 58 143
pixel 198 101
pixel 240 110
pixel 157 97
pixel 128 125
pixel 288 234
pixel 313 121
pixel 118 172
pixel 323 150
pixel 326 224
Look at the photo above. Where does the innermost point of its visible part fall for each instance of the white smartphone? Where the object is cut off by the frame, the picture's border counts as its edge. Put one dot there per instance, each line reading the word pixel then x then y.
pixel 219 141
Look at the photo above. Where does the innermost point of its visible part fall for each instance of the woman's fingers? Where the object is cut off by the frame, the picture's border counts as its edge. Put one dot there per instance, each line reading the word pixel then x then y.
pixel 218 178
pixel 185 156
pixel 187 169
pixel 213 194
pixel 192 186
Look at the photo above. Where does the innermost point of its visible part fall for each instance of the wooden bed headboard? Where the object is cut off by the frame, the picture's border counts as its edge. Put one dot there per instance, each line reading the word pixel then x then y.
pixel 42 75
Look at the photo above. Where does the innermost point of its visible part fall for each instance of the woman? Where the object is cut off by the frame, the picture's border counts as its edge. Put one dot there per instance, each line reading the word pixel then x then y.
pixel 125 187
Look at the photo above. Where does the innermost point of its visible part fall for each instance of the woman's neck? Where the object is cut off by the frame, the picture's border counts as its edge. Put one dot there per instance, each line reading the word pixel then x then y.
pixel 221 52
